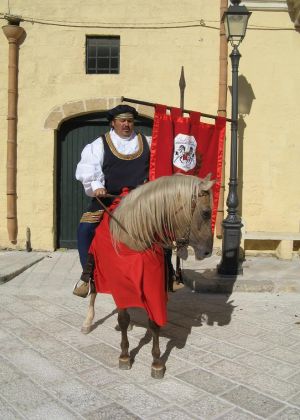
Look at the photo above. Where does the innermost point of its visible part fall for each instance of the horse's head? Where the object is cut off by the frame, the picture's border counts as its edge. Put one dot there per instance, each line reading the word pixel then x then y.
pixel 199 234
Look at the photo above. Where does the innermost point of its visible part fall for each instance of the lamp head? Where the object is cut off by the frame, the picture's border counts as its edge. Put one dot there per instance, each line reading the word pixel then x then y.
pixel 235 20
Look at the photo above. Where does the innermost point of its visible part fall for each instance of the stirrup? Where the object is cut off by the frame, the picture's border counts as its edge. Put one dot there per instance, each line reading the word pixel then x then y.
pixel 85 289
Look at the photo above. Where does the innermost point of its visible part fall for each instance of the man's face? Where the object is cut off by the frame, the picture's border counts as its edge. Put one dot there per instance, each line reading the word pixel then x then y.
pixel 123 126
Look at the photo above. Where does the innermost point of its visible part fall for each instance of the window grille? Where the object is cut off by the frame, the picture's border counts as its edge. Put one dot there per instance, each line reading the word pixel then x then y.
pixel 102 55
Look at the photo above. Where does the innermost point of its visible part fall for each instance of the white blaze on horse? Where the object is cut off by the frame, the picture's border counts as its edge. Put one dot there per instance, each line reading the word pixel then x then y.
pixel 173 211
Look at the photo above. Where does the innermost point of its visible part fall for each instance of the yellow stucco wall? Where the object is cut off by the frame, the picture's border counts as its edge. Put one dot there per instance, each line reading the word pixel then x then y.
pixel 52 73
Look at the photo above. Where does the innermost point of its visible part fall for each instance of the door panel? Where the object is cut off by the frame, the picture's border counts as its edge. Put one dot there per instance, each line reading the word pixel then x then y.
pixel 71 200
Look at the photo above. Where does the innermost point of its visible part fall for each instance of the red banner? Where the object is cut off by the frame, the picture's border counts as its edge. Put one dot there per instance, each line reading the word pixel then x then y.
pixel 187 145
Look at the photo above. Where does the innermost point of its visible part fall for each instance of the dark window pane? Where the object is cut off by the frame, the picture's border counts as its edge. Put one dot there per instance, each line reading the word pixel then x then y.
pixel 92 51
pixel 92 63
pixel 102 55
pixel 115 51
pixel 114 63
pixel 103 63
pixel 103 51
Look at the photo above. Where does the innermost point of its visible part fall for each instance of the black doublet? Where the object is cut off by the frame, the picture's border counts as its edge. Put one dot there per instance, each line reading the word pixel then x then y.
pixel 122 171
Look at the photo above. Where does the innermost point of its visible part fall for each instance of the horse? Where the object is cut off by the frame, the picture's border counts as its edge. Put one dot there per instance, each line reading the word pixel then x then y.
pixel 169 212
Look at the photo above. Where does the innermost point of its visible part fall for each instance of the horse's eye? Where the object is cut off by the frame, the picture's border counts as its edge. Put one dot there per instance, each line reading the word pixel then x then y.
pixel 206 214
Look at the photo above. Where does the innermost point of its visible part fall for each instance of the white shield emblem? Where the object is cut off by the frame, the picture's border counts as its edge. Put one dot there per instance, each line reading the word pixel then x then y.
pixel 184 156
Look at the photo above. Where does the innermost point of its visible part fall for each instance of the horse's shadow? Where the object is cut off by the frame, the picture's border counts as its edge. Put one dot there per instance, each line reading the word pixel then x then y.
pixel 186 310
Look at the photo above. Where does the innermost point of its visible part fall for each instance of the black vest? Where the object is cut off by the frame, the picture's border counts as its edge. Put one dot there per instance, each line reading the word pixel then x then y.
pixel 123 170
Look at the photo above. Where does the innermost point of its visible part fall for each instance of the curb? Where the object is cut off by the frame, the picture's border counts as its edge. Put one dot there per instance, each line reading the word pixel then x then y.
pixel 214 283
pixel 4 278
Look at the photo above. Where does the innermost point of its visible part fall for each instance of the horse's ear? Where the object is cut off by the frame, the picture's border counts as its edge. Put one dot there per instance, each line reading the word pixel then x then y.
pixel 207 182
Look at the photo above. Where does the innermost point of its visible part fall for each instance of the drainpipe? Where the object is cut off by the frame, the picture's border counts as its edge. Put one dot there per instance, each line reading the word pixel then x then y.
pixel 222 105
pixel 13 33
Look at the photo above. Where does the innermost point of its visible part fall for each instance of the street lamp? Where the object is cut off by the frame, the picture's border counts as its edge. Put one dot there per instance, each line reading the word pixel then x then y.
pixel 235 20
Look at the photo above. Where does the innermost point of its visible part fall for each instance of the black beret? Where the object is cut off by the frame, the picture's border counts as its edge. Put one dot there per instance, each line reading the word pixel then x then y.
pixel 121 109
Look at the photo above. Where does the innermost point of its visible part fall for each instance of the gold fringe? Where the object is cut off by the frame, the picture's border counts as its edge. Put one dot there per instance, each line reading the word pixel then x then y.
pixel 92 216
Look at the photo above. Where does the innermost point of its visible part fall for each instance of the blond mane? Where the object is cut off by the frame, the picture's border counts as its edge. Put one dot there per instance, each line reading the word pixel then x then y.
pixel 153 212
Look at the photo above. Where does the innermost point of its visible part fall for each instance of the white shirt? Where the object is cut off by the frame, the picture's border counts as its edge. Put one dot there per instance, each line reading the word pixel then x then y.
pixel 89 169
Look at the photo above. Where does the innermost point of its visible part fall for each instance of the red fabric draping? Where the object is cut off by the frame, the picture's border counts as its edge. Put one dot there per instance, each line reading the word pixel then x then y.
pixel 187 145
pixel 134 279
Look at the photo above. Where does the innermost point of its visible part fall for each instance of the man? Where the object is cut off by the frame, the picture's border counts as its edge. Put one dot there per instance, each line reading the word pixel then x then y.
pixel 118 159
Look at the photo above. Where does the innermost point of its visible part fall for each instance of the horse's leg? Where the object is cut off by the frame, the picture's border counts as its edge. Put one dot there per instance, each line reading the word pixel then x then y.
pixel 87 325
pixel 158 368
pixel 124 321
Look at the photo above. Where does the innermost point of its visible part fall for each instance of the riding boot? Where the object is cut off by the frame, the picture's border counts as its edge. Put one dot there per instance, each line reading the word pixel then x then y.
pixel 87 285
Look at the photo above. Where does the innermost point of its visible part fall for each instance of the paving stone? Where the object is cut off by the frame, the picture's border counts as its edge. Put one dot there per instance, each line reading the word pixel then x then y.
pixel 247 328
pixel 172 413
pixel 7 412
pixel 206 381
pixel 289 413
pixel 283 340
pixel 208 406
pixel 173 390
pixel 100 376
pixel 283 355
pixel 104 353
pixel 295 378
pixel 71 360
pixel 192 355
pixel 295 400
pixel 111 412
pixel 250 343
pixel 73 337
pixel 253 401
pixel 13 343
pixel 24 395
pixel 231 370
pixel 271 366
pixel 79 396
pixel 272 386
pixel 37 367
pixel 8 372
pixel 138 400
pixel 14 324
pixel 225 350
pixel 52 410
pixel 237 414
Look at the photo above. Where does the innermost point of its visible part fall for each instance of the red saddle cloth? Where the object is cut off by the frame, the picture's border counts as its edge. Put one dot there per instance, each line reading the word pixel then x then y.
pixel 134 279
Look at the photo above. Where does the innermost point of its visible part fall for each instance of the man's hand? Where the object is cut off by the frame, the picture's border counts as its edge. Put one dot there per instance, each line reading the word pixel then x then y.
pixel 100 192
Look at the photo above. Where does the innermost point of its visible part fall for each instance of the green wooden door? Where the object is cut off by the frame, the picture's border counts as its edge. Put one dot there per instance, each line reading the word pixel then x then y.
pixel 71 200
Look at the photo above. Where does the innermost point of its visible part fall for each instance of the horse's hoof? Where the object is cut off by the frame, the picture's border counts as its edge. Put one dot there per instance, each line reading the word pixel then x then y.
pixel 86 330
pixel 124 363
pixel 158 372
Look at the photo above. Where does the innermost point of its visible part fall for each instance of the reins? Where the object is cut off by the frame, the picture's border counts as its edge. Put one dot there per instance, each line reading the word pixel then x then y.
pixel 109 212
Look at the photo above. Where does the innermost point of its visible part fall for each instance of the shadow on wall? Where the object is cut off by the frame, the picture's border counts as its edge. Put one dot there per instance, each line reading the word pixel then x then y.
pixel 245 100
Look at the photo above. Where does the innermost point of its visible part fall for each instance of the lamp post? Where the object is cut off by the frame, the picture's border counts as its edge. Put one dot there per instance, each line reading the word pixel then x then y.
pixel 235 20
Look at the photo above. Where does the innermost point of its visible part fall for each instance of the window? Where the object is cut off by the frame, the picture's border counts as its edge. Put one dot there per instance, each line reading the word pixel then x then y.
pixel 273 5
pixel 102 55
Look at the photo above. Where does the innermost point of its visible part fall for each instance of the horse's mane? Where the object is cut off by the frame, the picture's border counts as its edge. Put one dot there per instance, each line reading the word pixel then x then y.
pixel 152 212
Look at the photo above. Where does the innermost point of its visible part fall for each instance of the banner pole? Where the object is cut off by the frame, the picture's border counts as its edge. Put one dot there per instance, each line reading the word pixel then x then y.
pixel 182 86
pixel 187 111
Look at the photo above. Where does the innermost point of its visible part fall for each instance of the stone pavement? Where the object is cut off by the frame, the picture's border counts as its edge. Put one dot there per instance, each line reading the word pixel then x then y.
pixel 228 356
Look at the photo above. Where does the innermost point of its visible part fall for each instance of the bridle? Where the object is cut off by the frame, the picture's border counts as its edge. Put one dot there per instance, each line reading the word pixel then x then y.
pixel 183 242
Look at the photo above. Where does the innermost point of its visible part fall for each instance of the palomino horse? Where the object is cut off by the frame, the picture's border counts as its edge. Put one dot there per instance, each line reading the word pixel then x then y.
pixel 173 211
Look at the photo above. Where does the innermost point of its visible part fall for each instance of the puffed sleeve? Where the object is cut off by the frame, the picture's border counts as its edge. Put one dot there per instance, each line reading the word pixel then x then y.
pixel 89 169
